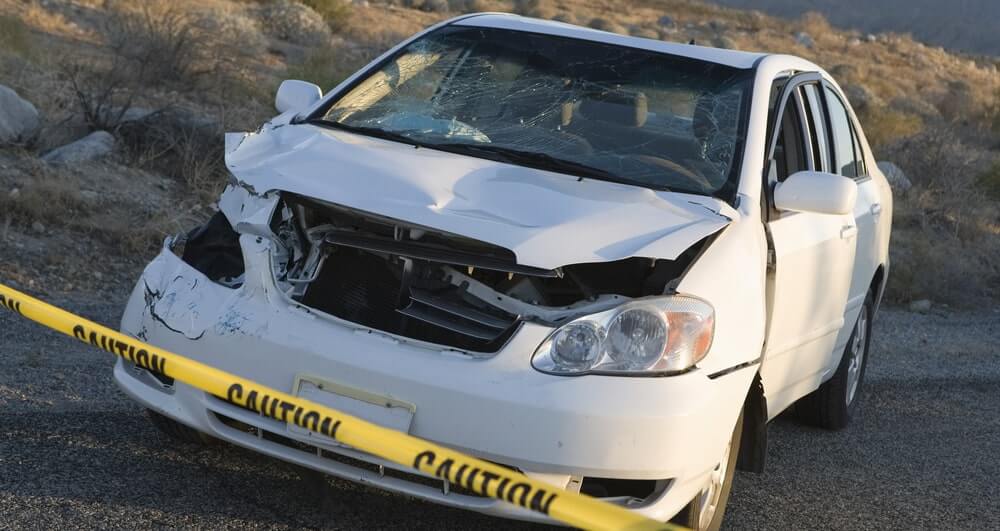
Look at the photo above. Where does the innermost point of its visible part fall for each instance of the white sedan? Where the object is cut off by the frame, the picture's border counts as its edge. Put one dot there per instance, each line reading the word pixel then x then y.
pixel 601 260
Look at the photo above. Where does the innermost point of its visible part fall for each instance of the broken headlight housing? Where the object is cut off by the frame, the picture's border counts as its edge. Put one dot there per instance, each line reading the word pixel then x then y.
pixel 658 335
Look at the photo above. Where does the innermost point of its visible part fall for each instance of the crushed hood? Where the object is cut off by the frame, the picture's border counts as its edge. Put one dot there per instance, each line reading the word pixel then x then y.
pixel 547 219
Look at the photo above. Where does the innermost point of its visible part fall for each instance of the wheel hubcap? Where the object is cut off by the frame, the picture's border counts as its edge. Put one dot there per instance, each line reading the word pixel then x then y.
pixel 856 355
pixel 710 496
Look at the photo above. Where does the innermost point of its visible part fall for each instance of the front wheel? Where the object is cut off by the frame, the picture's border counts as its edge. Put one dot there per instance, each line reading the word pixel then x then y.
pixel 706 510
pixel 835 402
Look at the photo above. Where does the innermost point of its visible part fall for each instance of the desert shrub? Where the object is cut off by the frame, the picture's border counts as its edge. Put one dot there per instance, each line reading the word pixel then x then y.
pixel 467 6
pixel 815 24
pixel 535 8
pixel 15 36
pixel 336 13
pixel 944 171
pixel 45 197
pixel 989 181
pixel 326 67
pixel 157 47
pixel 883 125
pixel 927 264
pixel 604 24
pixel 180 143
pixel 958 103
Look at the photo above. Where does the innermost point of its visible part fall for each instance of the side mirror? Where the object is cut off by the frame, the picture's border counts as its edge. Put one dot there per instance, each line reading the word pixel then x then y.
pixel 817 192
pixel 296 95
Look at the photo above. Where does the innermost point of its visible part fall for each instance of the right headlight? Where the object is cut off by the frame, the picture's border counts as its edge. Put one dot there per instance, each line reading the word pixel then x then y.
pixel 644 337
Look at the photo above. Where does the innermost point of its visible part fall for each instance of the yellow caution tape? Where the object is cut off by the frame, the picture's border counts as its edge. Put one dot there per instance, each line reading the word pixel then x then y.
pixel 479 476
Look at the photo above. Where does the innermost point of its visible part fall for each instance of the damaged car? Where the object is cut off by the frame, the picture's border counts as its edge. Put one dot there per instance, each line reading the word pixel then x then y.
pixel 604 261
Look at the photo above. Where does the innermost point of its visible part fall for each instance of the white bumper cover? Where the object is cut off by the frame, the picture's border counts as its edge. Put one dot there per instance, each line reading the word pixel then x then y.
pixel 667 428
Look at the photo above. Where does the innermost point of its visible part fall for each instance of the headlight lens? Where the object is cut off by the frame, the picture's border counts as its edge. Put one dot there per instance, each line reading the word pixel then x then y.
pixel 648 336
pixel 577 345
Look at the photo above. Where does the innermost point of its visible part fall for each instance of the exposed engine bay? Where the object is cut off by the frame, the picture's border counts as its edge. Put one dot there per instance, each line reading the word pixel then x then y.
pixel 436 287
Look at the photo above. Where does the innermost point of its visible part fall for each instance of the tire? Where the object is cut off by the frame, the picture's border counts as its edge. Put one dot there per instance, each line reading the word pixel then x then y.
pixel 835 403
pixel 177 431
pixel 691 515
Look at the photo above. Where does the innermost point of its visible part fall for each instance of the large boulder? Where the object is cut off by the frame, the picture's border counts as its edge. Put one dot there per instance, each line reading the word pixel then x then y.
pixel 18 117
pixel 94 146
pixel 895 175
pixel 294 22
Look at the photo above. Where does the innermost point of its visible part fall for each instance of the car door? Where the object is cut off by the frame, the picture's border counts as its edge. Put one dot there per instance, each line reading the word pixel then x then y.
pixel 812 255
pixel 849 161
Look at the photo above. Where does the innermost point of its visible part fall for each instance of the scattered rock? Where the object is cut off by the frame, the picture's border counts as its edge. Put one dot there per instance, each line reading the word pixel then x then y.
pixel 722 41
pixel 91 147
pixel 845 71
pixel 38 227
pixel 895 175
pixel 566 18
pixel 804 39
pixel 861 98
pixel 293 22
pixel 666 22
pixel 604 24
pixel 645 33
pixel 870 37
pixel 18 117
pixel 920 306
pixel 435 6
pixel 854 42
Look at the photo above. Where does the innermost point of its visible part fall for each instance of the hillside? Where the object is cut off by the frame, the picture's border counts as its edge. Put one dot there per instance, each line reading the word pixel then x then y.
pixel 164 81
pixel 967 25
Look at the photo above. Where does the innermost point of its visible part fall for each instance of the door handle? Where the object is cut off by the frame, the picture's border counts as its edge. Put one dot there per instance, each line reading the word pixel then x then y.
pixel 848 231
pixel 876 209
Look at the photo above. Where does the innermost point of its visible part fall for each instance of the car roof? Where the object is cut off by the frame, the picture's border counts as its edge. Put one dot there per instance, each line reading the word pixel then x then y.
pixel 733 58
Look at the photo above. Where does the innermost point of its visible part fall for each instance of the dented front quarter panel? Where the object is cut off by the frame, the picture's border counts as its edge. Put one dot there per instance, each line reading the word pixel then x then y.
pixel 731 275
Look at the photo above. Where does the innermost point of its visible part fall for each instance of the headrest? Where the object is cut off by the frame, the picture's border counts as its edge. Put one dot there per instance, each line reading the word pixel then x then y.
pixel 619 107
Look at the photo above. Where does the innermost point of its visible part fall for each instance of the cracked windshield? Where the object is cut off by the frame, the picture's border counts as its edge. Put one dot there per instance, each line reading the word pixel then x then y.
pixel 566 105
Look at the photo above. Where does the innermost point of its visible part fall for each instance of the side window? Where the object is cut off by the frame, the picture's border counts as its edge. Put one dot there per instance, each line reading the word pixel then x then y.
pixel 789 150
pixel 845 160
pixel 817 127
pixel 862 168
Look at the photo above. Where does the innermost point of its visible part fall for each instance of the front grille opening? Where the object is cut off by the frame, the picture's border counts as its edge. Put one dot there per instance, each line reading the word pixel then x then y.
pixel 164 380
pixel 386 294
pixel 612 488
pixel 300 446
pixel 237 425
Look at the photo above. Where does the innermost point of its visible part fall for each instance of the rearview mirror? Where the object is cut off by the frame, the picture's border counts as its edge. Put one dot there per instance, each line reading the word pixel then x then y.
pixel 817 192
pixel 295 95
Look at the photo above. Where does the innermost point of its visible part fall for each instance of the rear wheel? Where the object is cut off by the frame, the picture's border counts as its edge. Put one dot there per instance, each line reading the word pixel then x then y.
pixel 835 402
pixel 706 510
pixel 177 431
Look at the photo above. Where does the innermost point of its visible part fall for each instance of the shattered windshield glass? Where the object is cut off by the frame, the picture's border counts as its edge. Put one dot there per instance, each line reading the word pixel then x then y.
pixel 574 106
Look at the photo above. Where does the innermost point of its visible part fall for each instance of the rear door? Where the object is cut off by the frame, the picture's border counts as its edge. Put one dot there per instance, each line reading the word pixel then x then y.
pixel 813 254
pixel 849 161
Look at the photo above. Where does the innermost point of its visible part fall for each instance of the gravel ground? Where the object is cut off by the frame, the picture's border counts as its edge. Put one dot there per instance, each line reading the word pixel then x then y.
pixel 925 452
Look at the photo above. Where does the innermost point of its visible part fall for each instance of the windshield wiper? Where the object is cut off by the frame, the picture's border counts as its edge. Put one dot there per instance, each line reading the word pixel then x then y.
pixel 367 131
pixel 535 159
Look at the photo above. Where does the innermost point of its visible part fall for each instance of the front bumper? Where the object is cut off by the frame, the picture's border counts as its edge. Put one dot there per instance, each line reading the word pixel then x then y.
pixel 500 409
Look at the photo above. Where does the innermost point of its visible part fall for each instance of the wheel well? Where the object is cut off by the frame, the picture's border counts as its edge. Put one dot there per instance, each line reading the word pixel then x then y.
pixel 753 444
pixel 878 284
